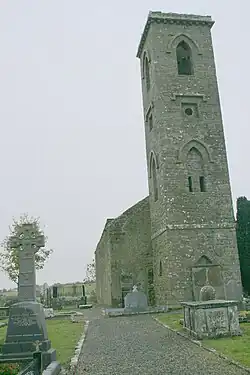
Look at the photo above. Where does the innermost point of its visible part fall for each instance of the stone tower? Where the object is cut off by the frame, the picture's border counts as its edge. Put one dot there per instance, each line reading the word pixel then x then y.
pixel 192 220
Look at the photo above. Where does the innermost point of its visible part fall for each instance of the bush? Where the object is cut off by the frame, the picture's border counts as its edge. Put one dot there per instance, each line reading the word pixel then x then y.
pixel 9 369
pixel 57 304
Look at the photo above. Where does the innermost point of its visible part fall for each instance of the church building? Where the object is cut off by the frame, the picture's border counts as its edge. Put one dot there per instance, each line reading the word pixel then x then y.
pixel 182 236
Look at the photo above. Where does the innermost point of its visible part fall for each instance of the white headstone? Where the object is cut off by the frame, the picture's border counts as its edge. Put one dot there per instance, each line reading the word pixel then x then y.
pixel 49 313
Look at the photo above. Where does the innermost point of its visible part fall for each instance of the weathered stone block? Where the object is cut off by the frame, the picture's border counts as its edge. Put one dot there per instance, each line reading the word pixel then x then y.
pixel 211 319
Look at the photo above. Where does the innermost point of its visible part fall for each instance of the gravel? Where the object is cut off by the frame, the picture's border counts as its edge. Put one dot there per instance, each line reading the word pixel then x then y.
pixel 138 345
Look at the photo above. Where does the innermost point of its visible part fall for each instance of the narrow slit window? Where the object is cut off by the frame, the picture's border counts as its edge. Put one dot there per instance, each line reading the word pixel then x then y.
pixel 147 73
pixel 155 182
pixel 190 184
pixel 150 122
pixel 160 269
pixel 202 184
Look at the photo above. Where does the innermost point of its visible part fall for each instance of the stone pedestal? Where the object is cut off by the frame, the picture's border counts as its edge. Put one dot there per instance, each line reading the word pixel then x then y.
pixel 211 319
pixel 27 333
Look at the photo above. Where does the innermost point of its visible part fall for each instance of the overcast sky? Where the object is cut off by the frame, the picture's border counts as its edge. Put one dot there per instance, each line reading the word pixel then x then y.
pixel 72 138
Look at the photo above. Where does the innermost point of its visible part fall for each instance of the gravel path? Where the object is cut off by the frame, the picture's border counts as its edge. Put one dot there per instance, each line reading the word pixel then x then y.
pixel 140 346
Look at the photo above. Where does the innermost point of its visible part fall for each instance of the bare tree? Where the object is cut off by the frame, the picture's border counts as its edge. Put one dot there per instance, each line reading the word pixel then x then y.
pixel 90 273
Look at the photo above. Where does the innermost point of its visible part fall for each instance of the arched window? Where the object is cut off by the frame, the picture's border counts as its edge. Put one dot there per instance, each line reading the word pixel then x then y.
pixel 160 269
pixel 184 59
pixel 155 182
pixel 195 167
pixel 146 72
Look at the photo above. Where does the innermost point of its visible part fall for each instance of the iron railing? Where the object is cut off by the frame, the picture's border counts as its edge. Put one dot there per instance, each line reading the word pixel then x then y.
pixel 34 366
pixel 29 366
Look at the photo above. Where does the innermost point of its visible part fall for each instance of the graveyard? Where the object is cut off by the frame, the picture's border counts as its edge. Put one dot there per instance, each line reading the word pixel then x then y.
pixel 167 295
pixel 30 331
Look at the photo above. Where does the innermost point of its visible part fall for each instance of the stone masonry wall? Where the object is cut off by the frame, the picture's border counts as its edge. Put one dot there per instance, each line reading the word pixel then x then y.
pixel 131 251
pixel 103 268
pixel 181 146
pixel 175 284
pixel 124 252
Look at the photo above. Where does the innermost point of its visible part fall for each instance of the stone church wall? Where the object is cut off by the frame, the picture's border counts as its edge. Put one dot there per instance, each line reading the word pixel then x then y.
pixel 103 269
pixel 124 254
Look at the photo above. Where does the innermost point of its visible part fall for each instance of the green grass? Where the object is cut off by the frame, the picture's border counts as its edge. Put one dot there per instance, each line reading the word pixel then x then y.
pixel 171 320
pixel 236 348
pixel 64 336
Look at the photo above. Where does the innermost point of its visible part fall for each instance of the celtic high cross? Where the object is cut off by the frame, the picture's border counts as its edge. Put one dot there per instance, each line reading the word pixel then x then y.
pixel 27 242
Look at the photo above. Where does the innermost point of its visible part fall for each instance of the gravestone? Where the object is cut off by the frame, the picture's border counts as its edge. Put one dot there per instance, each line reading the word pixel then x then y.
pixel 83 298
pixel 4 312
pixel 136 301
pixel 49 313
pixel 207 293
pixel 27 326
pixel 233 290
pixel 205 273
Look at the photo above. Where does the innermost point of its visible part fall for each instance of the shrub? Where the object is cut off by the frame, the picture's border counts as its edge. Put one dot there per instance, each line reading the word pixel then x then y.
pixel 9 368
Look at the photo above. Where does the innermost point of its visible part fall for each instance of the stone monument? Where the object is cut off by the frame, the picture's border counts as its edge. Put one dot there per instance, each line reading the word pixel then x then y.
pixel 211 318
pixel 136 301
pixel 26 325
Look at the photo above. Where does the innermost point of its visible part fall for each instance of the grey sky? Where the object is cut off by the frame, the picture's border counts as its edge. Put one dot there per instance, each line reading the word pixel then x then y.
pixel 72 145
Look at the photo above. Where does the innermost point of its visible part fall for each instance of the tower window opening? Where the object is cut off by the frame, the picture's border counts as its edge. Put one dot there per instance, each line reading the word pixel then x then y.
pixel 188 111
pixel 202 184
pixel 155 182
pixel 147 73
pixel 160 269
pixel 184 59
pixel 150 122
pixel 190 184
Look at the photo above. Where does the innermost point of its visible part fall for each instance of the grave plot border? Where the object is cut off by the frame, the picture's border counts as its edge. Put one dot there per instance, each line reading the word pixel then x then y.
pixel 33 366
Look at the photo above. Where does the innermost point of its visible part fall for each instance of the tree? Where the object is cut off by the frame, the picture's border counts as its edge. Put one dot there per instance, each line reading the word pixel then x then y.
pixel 243 240
pixel 90 273
pixel 9 256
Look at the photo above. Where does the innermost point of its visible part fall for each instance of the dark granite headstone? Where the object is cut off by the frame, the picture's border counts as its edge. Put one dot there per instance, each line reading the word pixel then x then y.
pixel 26 326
